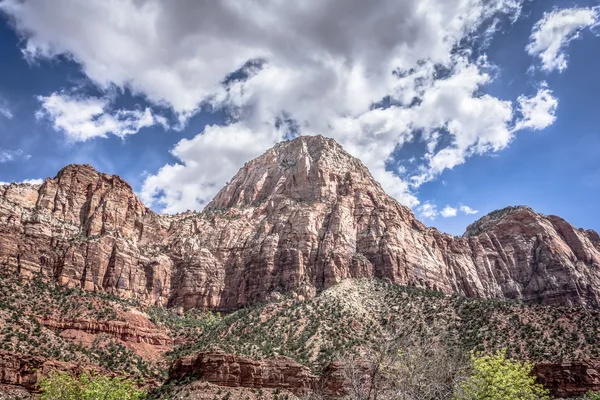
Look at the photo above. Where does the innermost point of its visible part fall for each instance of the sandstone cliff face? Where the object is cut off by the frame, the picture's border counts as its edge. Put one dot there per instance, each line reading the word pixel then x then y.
pixel 88 229
pixel 127 332
pixel 566 380
pixel 569 379
pixel 306 215
pixel 236 371
pixel 303 216
pixel 26 371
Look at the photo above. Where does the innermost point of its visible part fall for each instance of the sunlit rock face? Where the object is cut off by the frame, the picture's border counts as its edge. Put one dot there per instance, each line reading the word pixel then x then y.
pixel 88 229
pixel 302 217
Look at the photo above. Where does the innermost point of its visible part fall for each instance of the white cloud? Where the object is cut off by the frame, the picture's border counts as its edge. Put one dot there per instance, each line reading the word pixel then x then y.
pixel 33 181
pixel 476 124
pixel 26 181
pixel 205 163
pixel 5 110
pixel 12 155
pixel 178 53
pixel 448 212
pixel 428 210
pixel 467 210
pixel 325 63
pixel 82 118
pixel 552 34
pixel 539 111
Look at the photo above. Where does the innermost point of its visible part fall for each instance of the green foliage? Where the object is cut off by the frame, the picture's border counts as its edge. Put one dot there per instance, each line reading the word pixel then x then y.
pixel 63 386
pixel 496 377
pixel 592 396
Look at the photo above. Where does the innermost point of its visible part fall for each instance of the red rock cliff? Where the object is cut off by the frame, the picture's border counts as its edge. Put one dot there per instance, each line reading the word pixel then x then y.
pixel 303 217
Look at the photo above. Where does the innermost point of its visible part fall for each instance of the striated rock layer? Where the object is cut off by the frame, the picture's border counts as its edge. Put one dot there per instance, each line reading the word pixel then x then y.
pixel 127 332
pixel 26 371
pixel 566 380
pixel 569 379
pixel 236 371
pixel 302 217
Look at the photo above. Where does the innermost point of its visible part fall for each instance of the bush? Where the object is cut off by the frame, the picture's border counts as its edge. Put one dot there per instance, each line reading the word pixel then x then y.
pixel 592 396
pixel 497 377
pixel 63 386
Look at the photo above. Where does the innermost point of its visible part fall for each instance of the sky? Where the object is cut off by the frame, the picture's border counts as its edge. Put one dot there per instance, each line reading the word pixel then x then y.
pixel 457 107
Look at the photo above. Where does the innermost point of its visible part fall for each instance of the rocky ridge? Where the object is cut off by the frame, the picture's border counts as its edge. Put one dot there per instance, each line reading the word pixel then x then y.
pixel 302 217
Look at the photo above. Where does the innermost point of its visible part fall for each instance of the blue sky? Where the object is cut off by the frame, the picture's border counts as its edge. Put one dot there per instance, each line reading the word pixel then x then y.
pixel 492 103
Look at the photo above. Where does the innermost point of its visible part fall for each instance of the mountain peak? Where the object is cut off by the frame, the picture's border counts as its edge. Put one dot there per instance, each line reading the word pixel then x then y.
pixel 305 169
pixel 79 173
pixel 493 218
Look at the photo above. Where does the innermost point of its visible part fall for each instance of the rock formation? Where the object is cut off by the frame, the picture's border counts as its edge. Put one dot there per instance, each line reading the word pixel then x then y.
pixel 25 371
pixel 236 371
pixel 88 229
pixel 302 217
pixel 569 379
pixel 566 380
pixel 127 332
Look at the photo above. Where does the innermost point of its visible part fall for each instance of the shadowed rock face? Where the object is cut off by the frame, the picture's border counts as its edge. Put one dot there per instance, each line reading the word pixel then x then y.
pixel 303 217
pixel 569 379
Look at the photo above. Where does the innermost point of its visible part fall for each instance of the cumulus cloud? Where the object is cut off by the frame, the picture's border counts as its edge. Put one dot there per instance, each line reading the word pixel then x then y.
pixel 552 34
pixel 324 66
pixel 539 111
pixel 82 118
pixel 468 210
pixel 448 212
pixel 428 210
pixel 205 163
pixel 476 124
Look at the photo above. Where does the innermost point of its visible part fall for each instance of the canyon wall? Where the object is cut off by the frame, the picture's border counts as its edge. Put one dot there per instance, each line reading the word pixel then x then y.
pixel 302 217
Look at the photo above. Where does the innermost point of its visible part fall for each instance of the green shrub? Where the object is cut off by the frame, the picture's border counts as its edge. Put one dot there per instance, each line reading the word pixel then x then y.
pixel 592 396
pixel 496 377
pixel 63 386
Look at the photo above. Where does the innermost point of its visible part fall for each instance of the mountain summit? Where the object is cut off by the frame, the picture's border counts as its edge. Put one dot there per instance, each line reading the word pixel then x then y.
pixel 302 217
pixel 306 169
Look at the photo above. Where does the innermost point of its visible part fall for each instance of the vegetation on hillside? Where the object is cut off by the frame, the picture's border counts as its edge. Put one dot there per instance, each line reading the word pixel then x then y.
pixel 496 377
pixel 355 314
pixel 347 322
pixel 63 386
pixel 24 303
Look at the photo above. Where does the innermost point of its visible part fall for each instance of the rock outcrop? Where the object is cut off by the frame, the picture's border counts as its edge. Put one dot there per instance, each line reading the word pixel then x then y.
pixel 87 229
pixel 127 332
pixel 25 371
pixel 570 379
pixel 564 380
pixel 302 217
pixel 236 371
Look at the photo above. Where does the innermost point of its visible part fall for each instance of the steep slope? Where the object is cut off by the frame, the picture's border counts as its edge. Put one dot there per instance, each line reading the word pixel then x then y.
pixel 306 215
pixel 87 229
pixel 302 217
pixel 234 350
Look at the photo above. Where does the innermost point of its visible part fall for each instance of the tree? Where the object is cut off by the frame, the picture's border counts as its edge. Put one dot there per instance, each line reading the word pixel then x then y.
pixel 496 377
pixel 63 386
pixel 410 362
